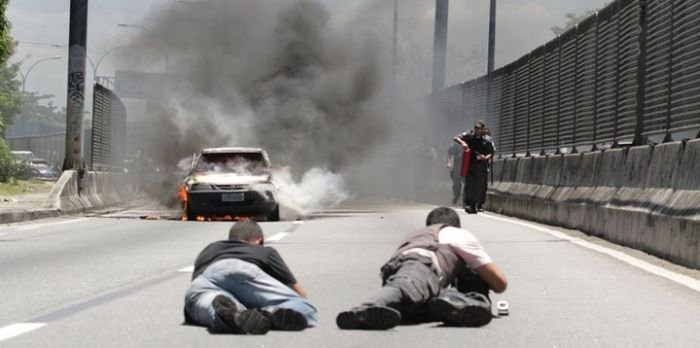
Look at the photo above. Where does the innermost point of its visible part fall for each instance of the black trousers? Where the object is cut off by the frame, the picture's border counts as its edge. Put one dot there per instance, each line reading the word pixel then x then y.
pixel 410 282
pixel 475 183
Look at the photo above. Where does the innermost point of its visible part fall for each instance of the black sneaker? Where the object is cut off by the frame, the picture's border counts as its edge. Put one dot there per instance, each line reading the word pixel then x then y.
pixel 470 209
pixel 470 310
pixel 287 319
pixel 250 321
pixel 368 318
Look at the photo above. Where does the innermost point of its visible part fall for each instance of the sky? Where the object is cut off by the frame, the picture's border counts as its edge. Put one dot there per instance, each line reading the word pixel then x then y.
pixel 522 25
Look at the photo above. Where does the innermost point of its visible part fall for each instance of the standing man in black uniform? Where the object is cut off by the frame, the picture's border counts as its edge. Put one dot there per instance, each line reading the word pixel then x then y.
pixel 481 152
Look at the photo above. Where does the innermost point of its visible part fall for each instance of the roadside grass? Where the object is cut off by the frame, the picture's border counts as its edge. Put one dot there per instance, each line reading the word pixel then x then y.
pixel 20 187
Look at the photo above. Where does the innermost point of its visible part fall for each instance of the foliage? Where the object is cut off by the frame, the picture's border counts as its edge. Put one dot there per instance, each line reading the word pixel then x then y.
pixel 570 21
pixel 6 43
pixel 11 99
pixel 21 187
pixel 40 108
pixel 10 168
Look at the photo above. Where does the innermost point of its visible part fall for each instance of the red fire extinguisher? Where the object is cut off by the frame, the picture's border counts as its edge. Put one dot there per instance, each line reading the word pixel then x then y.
pixel 466 158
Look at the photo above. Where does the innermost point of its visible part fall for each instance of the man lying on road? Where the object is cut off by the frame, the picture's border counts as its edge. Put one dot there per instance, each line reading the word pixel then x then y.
pixel 417 277
pixel 241 286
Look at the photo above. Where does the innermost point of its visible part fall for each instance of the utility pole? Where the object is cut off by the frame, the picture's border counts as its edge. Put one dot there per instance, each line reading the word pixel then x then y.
pixel 77 45
pixel 492 36
pixel 394 53
pixel 440 44
pixel 491 58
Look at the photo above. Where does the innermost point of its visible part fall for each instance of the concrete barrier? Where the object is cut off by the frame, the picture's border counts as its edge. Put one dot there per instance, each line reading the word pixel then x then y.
pixel 96 190
pixel 646 197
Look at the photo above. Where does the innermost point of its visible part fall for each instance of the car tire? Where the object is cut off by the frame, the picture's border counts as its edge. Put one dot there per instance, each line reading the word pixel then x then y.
pixel 274 215
pixel 191 215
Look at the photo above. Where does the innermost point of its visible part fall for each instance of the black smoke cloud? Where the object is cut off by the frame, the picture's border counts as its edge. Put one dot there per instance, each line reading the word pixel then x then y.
pixel 275 74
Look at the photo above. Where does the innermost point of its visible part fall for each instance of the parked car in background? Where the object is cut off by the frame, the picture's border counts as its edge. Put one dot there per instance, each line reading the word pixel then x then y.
pixel 43 172
pixel 23 156
pixel 38 167
pixel 230 182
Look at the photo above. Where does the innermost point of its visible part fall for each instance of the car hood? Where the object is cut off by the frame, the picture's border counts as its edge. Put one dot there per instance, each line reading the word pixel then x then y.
pixel 227 178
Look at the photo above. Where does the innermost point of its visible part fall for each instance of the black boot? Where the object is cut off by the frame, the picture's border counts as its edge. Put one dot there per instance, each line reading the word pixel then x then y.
pixel 247 321
pixel 456 309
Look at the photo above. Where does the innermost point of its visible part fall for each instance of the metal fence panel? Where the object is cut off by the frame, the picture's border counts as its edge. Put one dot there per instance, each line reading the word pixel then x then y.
pixel 685 90
pixel 522 100
pixel 551 94
pixel 507 140
pixel 494 108
pixel 628 51
pixel 586 48
pixel 657 99
pixel 535 135
pixel 567 86
pixel 108 131
pixel 606 74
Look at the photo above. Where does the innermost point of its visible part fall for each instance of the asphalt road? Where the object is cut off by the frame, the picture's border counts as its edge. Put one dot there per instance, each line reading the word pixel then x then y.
pixel 119 282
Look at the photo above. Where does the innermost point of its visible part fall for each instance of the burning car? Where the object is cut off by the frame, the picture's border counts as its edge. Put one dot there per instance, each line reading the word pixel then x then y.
pixel 230 182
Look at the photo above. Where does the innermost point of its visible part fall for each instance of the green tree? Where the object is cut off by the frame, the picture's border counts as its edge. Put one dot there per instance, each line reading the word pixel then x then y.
pixel 11 98
pixel 570 20
pixel 40 108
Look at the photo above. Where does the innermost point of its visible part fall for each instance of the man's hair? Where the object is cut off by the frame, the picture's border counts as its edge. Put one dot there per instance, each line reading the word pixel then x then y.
pixel 479 124
pixel 245 231
pixel 443 215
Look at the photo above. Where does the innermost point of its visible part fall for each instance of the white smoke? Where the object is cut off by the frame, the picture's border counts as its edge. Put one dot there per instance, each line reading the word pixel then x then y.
pixel 317 190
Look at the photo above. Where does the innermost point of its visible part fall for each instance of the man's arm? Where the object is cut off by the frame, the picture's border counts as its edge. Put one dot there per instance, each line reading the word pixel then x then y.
pixel 458 139
pixel 298 289
pixel 493 276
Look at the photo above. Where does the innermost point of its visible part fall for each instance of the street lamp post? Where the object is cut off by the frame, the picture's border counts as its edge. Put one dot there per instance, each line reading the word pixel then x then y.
pixel 96 66
pixel 152 33
pixel 26 74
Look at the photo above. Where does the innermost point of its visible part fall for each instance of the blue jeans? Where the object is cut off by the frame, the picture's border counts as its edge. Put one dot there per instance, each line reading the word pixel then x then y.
pixel 245 284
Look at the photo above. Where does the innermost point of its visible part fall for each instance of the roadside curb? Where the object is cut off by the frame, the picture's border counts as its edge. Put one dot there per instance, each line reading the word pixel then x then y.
pixel 21 215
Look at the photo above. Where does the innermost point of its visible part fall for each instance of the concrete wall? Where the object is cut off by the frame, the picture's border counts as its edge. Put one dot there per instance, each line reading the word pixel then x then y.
pixel 645 197
pixel 97 190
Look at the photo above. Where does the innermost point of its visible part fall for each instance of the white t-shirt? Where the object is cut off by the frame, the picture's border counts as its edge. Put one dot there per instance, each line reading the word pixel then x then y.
pixel 463 243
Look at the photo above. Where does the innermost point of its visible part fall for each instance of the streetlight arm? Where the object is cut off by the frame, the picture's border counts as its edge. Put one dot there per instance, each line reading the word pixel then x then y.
pixel 26 74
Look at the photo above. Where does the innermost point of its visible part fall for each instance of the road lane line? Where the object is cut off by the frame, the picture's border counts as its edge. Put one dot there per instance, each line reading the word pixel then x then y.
pixel 35 226
pixel 13 330
pixel 280 235
pixel 689 282
pixel 188 269
pixel 277 237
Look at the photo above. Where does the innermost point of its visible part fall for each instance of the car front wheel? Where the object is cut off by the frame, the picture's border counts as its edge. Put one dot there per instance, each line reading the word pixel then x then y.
pixel 274 215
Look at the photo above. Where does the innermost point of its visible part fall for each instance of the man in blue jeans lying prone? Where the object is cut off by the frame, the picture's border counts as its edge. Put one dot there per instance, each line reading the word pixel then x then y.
pixel 240 286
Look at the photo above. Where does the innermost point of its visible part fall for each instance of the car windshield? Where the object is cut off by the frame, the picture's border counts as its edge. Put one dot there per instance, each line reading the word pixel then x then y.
pixel 241 163
pixel 23 155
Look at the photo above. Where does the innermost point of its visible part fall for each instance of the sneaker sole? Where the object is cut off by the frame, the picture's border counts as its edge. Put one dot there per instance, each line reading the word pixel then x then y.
pixel 372 318
pixel 288 320
pixel 252 322
pixel 469 316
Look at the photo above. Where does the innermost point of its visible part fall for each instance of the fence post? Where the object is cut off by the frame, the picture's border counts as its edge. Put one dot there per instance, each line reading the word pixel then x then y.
pixel 639 139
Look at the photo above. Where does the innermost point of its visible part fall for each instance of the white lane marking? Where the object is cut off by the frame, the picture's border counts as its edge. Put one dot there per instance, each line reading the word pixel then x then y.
pixel 277 237
pixel 689 282
pixel 35 226
pixel 188 269
pixel 13 330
